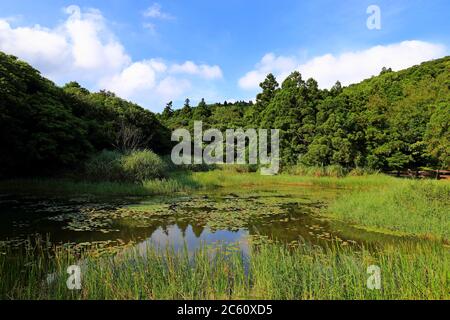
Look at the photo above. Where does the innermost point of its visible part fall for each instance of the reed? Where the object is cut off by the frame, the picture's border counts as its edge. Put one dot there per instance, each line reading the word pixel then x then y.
pixel 271 271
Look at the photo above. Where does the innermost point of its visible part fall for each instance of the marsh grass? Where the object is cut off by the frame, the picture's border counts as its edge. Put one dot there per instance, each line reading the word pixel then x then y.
pixel 233 179
pixel 183 181
pixel 272 271
pixel 70 187
pixel 406 206
pixel 334 171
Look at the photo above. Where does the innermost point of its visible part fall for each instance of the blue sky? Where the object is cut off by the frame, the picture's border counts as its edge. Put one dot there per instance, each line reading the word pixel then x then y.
pixel 152 52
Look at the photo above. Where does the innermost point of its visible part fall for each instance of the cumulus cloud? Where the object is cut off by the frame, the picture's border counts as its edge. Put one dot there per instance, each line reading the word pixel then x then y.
pixel 80 47
pixel 40 46
pixel 205 71
pixel 349 67
pixel 84 49
pixel 93 46
pixel 157 77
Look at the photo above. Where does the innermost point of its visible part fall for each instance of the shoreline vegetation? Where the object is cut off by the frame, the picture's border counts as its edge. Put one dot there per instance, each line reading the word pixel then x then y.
pixel 410 271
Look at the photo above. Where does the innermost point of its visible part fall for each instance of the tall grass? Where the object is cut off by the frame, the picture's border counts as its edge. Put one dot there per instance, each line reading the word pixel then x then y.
pixel 233 179
pixel 69 187
pixel 408 271
pixel 415 207
pixel 335 171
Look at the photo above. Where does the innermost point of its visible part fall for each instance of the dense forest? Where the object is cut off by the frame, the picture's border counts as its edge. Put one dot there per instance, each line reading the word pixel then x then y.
pixel 44 128
pixel 393 121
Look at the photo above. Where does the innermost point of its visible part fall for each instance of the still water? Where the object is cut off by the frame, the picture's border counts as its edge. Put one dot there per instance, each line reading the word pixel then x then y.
pixel 225 216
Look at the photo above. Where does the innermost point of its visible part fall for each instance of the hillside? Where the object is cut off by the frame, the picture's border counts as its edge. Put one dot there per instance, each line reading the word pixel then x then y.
pixel 392 121
pixel 45 128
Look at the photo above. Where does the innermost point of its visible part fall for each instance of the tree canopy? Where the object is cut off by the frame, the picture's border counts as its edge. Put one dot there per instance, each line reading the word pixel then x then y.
pixel 392 121
pixel 44 127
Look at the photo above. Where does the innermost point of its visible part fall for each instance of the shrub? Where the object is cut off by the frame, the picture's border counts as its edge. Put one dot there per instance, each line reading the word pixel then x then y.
pixel 144 165
pixel 105 166
pixel 137 166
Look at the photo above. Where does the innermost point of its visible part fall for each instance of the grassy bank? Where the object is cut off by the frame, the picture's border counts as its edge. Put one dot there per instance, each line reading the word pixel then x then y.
pixel 407 272
pixel 227 179
pixel 70 187
pixel 182 181
pixel 401 206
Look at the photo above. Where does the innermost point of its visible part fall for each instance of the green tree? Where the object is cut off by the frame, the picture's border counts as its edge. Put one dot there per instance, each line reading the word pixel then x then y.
pixel 437 136
pixel 168 110
pixel 269 88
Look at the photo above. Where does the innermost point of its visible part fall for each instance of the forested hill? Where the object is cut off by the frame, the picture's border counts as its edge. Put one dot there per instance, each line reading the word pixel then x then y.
pixel 44 127
pixel 393 121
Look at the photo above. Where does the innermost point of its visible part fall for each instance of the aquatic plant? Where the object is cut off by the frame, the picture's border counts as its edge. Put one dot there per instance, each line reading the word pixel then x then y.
pixel 271 271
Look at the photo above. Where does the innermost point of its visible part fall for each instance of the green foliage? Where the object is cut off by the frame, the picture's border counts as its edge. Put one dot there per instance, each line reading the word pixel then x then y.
pixel 437 135
pixel 144 165
pixel 70 187
pixel 394 121
pixel 105 166
pixel 37 130
pixel 44 128
pixel 410 271
pixel 137 166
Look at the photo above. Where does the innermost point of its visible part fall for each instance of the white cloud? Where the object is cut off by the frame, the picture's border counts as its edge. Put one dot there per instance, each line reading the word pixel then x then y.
pixel 42 47
pixel 154 11
pixel 170 87
pixel 83 48
pixel 348 67
pixel 93 46
pixel 206 71
pixel 156 80
pixel 138 77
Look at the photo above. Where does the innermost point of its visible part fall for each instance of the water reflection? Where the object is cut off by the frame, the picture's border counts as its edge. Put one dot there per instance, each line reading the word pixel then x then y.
pixel 196 220
pixel 194 238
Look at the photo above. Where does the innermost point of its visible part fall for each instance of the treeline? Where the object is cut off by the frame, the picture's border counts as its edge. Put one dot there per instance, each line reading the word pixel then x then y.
pixel 393 121
pixel 44 128
pixel 222 116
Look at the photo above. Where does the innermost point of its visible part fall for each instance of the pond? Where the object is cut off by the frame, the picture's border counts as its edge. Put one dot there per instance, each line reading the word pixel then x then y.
pixel 224 216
